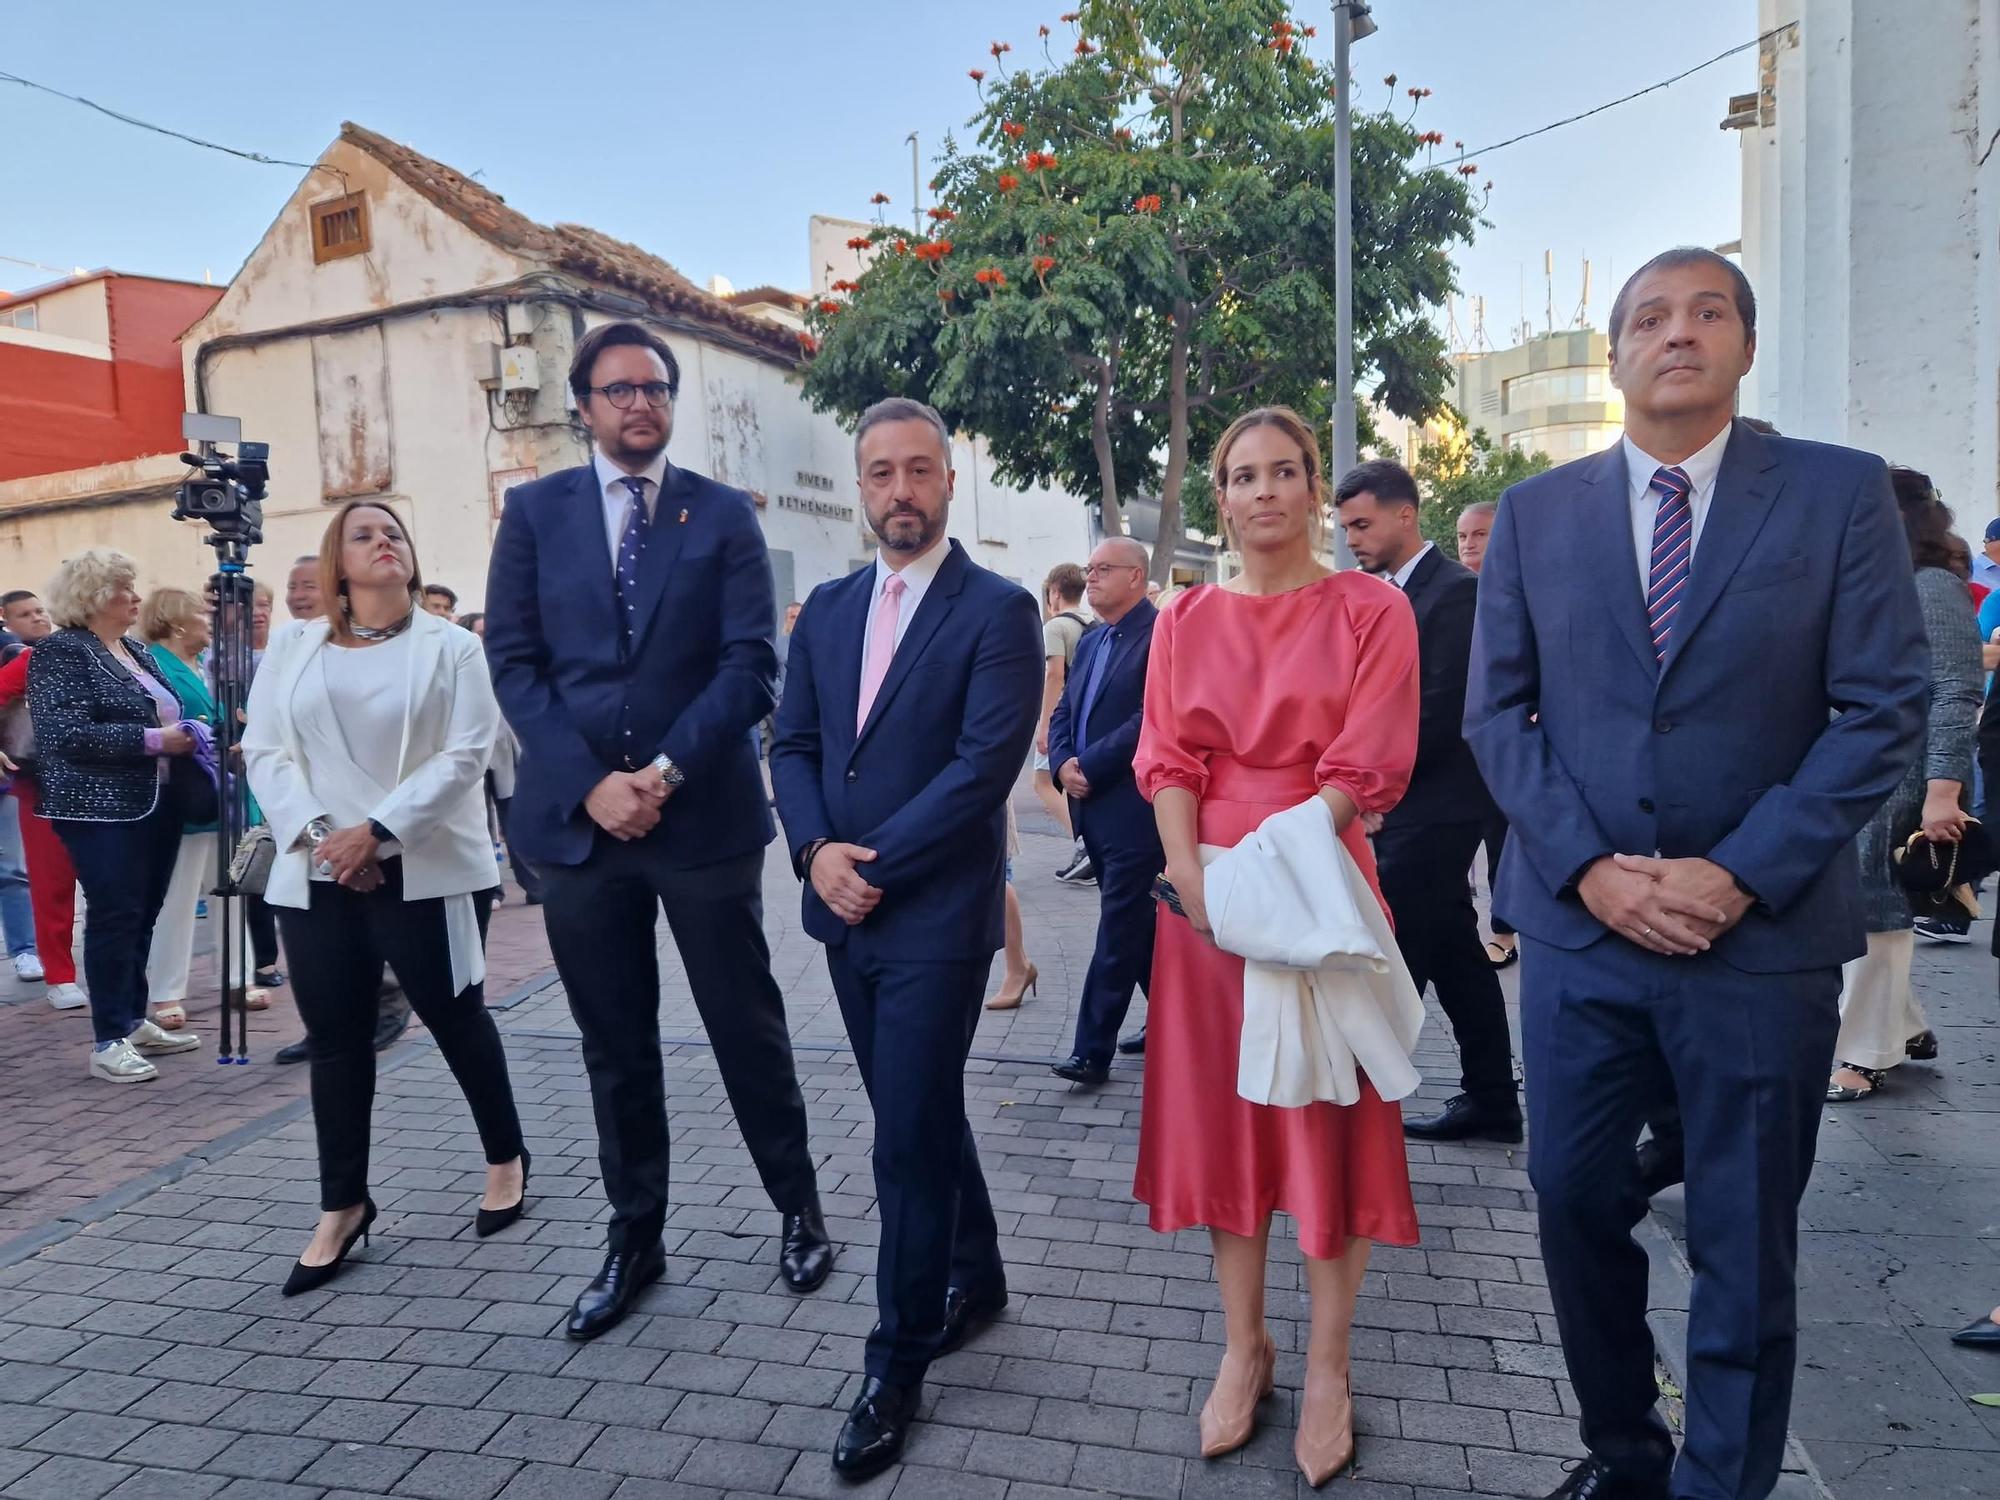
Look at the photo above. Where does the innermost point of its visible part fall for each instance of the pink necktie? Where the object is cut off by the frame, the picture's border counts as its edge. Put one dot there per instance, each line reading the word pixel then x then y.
pixel 881 646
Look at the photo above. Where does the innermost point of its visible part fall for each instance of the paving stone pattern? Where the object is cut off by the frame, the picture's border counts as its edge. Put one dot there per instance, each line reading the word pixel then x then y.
pixel 148 1353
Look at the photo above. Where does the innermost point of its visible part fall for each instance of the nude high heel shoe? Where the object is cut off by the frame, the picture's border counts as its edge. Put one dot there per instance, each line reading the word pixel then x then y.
pixel 1229 1415
pixel 1325 1443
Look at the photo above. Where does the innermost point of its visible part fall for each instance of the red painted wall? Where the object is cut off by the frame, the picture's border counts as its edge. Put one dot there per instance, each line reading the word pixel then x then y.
pixel 64 411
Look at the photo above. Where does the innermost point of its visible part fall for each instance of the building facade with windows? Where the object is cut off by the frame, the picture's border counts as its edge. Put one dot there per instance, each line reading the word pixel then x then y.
pixel 401 332
pixel 1550 395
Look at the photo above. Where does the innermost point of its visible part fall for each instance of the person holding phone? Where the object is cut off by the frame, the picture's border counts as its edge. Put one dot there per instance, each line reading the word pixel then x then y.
pixel 1288 682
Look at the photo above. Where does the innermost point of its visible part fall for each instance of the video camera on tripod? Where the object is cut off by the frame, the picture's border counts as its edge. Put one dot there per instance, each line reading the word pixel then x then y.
pixel 227 495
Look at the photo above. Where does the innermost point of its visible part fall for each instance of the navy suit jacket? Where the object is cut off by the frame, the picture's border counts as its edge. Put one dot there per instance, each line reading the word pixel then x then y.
pixel 698 678
pixel 1445 785
pixel 1791 699
pixel 925 781
pixel 1114 811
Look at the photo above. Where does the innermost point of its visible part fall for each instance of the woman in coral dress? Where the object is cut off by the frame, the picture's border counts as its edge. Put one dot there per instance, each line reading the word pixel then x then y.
pixel 1286 682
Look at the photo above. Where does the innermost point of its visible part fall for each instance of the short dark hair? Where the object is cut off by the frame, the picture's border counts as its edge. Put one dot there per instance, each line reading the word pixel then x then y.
pixel 1926 519
pixel 611 336
pixel 444 592
pixel 14 596
pixel 1388 481
pixel 1688 255
pixel 1065 581
pixel 901 409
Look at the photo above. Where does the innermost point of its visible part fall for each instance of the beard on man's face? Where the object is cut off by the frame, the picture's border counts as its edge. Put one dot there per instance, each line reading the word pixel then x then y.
pixel 904 528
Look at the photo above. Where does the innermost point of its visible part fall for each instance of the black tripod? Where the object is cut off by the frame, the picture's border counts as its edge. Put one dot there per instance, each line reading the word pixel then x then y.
pixel 231 666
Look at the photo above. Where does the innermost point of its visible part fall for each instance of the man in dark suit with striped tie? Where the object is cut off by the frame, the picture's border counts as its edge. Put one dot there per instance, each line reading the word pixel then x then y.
pixel 1698 668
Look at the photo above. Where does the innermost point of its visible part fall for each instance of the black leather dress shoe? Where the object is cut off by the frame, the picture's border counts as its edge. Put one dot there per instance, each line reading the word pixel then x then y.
pixel 805 1254
pixel 1660 1166
pixel 295 1053
pixel 1985 1334
pixel 1083 1070
pixel 1593 1480
pixel 872 1437
pixel 1465 1118
pixel 965 1314
pixel 1133 1045
pixel 604 1303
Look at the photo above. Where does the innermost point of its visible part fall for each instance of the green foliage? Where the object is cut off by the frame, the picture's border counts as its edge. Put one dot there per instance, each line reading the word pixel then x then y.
pixel 1135 244
pixel 1462 471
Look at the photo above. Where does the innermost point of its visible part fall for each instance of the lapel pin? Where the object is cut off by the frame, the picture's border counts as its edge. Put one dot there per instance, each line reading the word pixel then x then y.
pixel 684 518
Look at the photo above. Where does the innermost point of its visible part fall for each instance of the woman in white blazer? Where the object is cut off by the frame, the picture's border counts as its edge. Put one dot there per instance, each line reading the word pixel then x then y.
pixel 368 739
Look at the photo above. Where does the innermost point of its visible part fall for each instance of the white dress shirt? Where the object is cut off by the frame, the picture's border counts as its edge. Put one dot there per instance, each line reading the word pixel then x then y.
pixel 617 496
pixel 1401 577
pixel 917 576
pixel 1701 469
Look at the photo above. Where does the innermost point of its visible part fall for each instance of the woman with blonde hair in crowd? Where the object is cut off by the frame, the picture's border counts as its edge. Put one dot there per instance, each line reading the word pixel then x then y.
pixel 369 735
pixel 1289 681
pixel 107 730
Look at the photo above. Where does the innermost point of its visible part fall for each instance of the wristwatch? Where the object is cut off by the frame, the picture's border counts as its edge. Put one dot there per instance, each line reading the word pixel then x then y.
pixel 318 831
pixel 670 774
pixel 381 834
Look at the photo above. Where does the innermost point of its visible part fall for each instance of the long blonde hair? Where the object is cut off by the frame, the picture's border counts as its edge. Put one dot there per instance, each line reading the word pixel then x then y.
pixel 1299 430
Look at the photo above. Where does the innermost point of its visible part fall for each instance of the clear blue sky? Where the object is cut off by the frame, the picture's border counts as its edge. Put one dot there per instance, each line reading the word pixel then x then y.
pixel 708 132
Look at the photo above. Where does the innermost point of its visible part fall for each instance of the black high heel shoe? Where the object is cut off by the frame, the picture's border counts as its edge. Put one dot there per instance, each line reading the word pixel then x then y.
pixel 305 1278
pixel 490 1221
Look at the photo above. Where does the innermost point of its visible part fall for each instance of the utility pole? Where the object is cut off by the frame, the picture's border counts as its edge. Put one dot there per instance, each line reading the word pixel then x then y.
pixel 916 197
pixel 1351 22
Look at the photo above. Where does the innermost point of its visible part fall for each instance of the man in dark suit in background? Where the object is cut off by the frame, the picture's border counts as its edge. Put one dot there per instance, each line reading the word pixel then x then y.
pixel 634 661
pixel 1699 667
pixel 1426 842
pixel 910 700
pixel 1093 735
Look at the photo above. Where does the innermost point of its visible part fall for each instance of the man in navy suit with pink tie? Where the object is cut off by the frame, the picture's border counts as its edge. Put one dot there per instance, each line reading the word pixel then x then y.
pixel 911 690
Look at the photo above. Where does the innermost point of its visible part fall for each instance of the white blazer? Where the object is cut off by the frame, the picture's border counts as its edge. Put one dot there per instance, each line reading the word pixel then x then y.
pixel 1326 995
pixel 437 811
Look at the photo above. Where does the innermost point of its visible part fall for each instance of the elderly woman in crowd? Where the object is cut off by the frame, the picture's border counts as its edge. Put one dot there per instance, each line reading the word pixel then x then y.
pixel 106 727
pixel 1881 1021
pixel 369 735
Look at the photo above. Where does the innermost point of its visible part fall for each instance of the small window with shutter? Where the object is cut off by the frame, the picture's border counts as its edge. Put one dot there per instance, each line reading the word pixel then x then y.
pixel 339 227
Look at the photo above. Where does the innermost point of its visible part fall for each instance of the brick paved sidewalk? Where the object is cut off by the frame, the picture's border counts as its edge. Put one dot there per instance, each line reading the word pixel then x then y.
pixel 149 1355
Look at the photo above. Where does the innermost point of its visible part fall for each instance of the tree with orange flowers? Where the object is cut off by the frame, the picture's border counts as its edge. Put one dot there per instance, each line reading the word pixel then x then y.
pixel 1137 245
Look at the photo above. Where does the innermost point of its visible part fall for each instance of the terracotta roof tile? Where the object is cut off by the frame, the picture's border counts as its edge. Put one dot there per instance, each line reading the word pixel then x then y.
pixel 584 252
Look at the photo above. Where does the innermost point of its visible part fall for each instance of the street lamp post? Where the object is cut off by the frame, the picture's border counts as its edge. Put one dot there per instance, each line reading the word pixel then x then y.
pixel 1351 22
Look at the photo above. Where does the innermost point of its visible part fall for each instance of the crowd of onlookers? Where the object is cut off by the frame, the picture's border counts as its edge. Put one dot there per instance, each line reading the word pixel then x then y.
pixel 109 790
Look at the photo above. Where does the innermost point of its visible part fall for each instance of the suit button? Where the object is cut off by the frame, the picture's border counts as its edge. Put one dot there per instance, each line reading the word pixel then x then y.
pixel 1663 726
pixel 1645 804
pixel 853 775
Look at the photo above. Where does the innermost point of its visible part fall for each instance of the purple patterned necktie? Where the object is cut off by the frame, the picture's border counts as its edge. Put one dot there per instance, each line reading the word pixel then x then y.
pixel 1673 548
pixel 625 582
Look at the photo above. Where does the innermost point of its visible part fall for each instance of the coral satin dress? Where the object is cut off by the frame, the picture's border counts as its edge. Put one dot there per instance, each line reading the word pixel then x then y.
pixel 1254 703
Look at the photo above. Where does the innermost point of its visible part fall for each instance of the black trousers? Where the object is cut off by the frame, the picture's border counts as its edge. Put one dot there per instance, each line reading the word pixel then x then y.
pixel 263 923
pixel 338 947
pixel 1608 1033
pixel 525 874
pixel 1123 957
pixel 601 917
pixel 911 1026
pixel 1422 870
pixel 1494 836
pixel 124 869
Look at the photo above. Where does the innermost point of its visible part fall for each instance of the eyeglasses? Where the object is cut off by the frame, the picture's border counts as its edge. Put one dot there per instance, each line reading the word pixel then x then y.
pixel 1098 570
pixel 620 393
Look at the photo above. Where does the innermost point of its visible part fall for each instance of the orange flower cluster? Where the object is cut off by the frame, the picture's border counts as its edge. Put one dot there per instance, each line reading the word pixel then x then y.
pixel 845 286
pixel 859 242
pixel 941 215
pixel 1431 138
pixel 1007 182
pixel 933 250
pixel 879 198
pixel 946 294
pixel 1312 31
pixel 1418 93
pixel 1000 47
pixel 975 74
pixel 1083 47
pixel 990 276
pixel 808 344
pixel 1012 131
pixel 1122 134
pixel 1470 169
pixel 902 247
pixel 829 308
pixel 1043 30
pixel 1149 204
pixel 1039 161
pixel 1044 264
pixel 1069 16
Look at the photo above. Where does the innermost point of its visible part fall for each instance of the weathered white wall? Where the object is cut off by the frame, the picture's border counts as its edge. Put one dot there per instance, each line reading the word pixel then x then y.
pixel 1873 241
